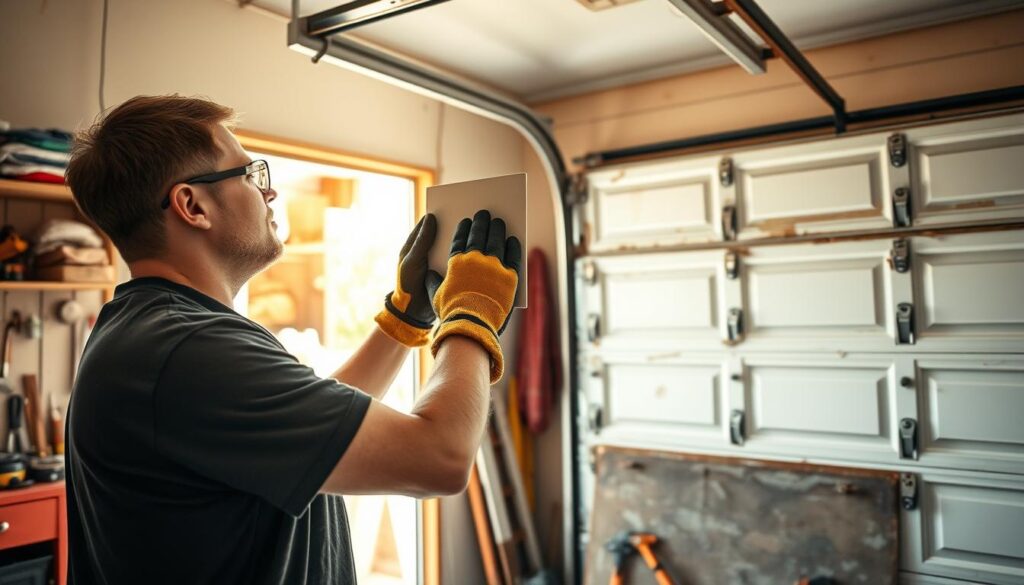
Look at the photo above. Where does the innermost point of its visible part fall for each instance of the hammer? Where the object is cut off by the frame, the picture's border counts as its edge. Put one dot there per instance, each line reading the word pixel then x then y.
pixel 624 544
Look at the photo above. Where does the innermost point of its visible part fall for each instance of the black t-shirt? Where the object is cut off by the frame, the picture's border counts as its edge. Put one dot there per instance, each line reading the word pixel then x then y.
pixel 196 448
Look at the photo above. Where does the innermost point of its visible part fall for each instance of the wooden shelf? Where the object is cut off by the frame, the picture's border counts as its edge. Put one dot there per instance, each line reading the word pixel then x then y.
pixel 36 285
pixel 32 190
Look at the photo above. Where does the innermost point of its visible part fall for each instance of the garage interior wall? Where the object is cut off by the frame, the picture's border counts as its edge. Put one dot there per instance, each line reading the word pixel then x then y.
pixel 960 57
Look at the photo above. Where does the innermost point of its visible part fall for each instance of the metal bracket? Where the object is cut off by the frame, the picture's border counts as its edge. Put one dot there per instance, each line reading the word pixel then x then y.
pixel 579 190
pixel 729 222
pixel 908 491
pixel 901 207
pixel 905 324
pixel 590 272
pixel 732 265
pixel 595 418
pixel 900 255
pixel 908 439
pixel 737 428
pixel 735 324
pixel 897 150
pixel 725 172
pixel 593 327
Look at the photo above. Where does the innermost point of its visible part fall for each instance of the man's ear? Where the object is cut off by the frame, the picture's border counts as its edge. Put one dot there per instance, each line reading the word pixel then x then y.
pixel 191 205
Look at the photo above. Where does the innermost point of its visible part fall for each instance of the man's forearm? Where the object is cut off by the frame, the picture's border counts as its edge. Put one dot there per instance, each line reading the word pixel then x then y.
pixel 373 367
pixel 456 400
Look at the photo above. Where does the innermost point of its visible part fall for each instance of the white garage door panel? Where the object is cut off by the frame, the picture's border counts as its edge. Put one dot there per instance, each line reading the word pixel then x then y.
pixel 658 209
pixel 663 394
pixel 671 402
pixel 813 187
pixel 969 290
pixel 834 294
pixel 968 171
pixel 663 301
pixel 838 188
pixel 971 412
pixel 969 528
pixel 814 297
pixel 648 205
pixel 828 407
pixel 638 301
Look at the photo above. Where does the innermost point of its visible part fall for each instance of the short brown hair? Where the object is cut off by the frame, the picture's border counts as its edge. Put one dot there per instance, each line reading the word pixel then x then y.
pixel 121 166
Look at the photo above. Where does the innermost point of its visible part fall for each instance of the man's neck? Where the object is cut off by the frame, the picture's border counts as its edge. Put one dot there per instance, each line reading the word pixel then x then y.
pixel 209 285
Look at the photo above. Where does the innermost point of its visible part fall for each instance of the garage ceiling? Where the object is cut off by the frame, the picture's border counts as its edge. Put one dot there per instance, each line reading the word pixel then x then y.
pixel 538 50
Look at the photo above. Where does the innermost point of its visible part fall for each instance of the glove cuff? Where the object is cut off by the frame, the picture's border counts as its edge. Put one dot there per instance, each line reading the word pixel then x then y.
pixel 402 328
pixel 474 328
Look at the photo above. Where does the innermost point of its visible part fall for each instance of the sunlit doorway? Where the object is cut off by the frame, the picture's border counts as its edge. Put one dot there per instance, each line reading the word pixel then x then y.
pixel 342 230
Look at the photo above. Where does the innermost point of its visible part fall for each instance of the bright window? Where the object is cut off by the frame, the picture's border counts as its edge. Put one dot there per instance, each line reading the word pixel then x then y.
pixel 342 228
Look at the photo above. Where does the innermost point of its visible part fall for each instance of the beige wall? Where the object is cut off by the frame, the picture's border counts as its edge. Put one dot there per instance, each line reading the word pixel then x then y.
pixel 50 78
pixel 974 55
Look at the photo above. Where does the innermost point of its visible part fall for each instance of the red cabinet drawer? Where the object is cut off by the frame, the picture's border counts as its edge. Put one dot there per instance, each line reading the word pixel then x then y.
pixel 28 522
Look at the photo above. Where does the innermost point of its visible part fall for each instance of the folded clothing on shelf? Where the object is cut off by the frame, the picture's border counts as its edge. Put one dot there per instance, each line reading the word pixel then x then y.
pixel 55 233
pixel 37 155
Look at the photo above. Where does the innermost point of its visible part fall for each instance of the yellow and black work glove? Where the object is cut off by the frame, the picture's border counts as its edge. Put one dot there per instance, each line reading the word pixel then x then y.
pixel 408 316
pixel 475 298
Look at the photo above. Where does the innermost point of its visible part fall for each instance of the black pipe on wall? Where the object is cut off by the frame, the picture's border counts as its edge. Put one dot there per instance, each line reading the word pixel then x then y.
pixel 918 108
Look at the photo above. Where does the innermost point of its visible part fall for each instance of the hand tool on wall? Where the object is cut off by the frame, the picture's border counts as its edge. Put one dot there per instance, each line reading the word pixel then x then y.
pixel 71 313
pixel 625 544
pixel 34 413
pixel 13 324
pixel 15 409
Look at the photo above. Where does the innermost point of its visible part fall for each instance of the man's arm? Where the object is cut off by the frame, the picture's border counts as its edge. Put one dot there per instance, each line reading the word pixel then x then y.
pixel 430 451
pixel 373 367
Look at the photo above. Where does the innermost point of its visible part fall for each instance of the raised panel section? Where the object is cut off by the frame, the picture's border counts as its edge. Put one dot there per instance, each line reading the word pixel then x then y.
pixel 634 212
pixel 819 297
pixel 815 187
pixel 665 401
pixel 968 290
pixel 808 405
pixel 969 170
pixel 971 412
pixel 656 301
pixel 968 528
pixel 650 205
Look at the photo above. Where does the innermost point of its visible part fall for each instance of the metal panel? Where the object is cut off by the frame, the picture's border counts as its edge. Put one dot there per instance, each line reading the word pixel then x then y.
pixel 655 301
pixel 724 521
pixel 816 187
pixel 966 527
pixel 808 405
pixel 834 297
pixel 654 205
pixel 968 170
pixel 970 412
pixel 968 291
pixel 668 401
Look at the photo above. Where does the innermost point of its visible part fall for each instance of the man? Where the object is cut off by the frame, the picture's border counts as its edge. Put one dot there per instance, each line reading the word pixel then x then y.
pixel 199 450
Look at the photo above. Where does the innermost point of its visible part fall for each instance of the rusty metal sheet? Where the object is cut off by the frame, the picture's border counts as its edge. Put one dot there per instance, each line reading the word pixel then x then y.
pixel 744 522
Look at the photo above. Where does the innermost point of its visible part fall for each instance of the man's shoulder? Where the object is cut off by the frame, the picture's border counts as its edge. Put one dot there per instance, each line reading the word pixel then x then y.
pixel 158 312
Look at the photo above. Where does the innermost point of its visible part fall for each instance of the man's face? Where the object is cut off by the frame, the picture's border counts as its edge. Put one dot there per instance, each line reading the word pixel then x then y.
pixel 246 236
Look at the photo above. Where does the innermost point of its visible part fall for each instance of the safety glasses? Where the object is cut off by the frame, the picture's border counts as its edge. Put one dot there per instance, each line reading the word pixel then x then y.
pixel 257 170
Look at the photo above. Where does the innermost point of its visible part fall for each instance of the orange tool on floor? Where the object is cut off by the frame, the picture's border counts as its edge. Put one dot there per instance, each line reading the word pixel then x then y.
pixel 624 544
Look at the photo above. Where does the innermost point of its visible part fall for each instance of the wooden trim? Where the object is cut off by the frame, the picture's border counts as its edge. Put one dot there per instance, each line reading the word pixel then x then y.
pixel 430 510
pixel 42 285
pixel 33 190
pixel 321 154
